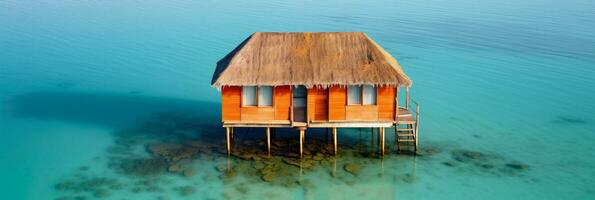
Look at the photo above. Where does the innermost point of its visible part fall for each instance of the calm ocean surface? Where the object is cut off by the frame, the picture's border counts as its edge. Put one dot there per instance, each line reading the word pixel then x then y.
pixel 94 95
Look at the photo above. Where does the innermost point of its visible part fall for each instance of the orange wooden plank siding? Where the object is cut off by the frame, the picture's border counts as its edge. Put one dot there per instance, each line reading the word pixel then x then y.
pixel 257 113
pixel 361 113
pixel 231 98
pixel 383 111
pixel 310 103
pixel 323 104
pixel 232 110
pixel 282 102
pixel 337 98
pixel 386 103
pixel 317 104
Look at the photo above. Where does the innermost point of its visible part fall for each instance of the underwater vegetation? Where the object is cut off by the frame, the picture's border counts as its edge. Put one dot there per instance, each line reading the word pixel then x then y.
pixel 151 158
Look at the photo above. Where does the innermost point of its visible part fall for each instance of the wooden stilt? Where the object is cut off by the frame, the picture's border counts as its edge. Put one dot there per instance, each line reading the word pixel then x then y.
pixel 304 138
pixel 379 138
pixel 301 142
pixel 335 139
pixel 381 132
pixel 227 141
pixel 269 140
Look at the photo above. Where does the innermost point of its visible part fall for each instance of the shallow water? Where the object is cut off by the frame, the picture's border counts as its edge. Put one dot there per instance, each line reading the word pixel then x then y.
pixel 111 100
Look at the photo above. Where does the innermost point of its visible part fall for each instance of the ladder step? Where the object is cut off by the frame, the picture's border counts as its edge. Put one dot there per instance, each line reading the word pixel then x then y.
pixel 406 135
pixel 406 141
pixel 405 129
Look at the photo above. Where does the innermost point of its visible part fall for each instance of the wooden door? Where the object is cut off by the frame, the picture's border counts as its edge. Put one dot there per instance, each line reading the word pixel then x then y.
pixel 300 95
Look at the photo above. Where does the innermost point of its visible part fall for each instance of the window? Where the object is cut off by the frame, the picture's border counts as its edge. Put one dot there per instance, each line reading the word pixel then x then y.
pixel 249 96
pixel 354 94
pixel 369 96
pixel 257 96
pixel 361 95
pixel 265 96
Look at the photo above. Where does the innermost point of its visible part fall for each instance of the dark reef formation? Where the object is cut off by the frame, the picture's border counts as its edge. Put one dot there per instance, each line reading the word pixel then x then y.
pixel 154 156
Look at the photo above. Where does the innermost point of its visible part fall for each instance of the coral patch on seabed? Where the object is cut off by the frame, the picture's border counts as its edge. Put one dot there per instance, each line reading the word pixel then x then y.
pixel 170 155
pixel 142 166
pixel 92 186
pixel 486 163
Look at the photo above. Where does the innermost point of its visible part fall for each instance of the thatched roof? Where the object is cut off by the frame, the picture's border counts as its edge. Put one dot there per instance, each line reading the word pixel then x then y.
pixel 310 59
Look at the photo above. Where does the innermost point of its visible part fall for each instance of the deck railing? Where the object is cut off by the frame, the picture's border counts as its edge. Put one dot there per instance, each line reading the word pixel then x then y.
pixel 415 106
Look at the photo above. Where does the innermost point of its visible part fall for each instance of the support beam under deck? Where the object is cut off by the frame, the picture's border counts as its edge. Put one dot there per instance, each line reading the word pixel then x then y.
pixel 335 139
pixel 301 142
pixel 227 131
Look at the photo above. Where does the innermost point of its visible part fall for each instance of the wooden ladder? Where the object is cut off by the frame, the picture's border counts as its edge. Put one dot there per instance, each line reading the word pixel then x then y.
pixel 407 137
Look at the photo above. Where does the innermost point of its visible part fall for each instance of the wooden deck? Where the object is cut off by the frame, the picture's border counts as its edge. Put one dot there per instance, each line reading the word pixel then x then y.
pixel 268 123
pixel 405 117
pixel 406 129
pixel 351 124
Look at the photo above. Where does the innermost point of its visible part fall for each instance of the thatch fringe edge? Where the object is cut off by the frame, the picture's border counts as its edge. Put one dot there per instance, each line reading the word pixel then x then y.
pixel 323 86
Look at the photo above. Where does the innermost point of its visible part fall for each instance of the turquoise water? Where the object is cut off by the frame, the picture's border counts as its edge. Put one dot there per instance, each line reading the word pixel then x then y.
pixel 98 100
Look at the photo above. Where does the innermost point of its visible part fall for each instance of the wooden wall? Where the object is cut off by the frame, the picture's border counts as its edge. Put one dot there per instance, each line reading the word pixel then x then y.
pixel 282 102
pixel 257 113
pixel 386 103
pixel 232 110
pixel 337 99
pixel 361 113
pixel 317 104
pixel 382 111
pixel 231 100
pixel 322 104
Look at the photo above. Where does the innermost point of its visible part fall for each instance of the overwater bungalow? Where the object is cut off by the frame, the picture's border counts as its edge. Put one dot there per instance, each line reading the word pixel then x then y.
pixel 307 80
